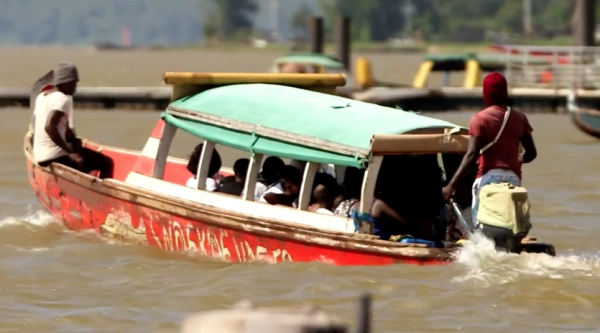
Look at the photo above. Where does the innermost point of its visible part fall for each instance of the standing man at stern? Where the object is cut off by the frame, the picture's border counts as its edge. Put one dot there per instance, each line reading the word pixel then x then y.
pixel 496 134
pixel 54 140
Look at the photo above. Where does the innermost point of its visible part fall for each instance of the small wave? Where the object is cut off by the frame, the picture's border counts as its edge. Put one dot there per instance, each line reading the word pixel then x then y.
pixel 483 264
pixel 29 249
pixel 39 218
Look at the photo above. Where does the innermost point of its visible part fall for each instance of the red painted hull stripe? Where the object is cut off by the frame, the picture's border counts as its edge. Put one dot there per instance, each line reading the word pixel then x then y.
pixel 158 129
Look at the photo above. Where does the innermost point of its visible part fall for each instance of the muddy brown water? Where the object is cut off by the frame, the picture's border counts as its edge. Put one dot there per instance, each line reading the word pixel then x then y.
pixel 23 66
pixel 54 280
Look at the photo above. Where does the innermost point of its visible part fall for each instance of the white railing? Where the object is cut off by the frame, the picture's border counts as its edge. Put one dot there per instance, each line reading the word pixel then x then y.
pixel 554 67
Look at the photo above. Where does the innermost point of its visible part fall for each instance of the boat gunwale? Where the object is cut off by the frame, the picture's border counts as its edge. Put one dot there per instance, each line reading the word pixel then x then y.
pixel 290 231
pixel 581 125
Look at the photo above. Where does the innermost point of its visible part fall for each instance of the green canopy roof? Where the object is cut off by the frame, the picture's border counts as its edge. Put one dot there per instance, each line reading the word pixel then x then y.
pixel 289 113
pixel 310 58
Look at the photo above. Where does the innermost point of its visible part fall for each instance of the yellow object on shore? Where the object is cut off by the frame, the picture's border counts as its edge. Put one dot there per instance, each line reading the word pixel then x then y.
pixel 364 73
pixel 422 75
pixel 472 75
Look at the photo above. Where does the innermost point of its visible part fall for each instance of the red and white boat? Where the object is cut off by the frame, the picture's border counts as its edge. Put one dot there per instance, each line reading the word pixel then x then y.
pixel 287 115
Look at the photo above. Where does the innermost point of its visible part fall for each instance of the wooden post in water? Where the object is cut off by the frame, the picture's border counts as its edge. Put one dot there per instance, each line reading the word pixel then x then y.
pixel 342 41
pixel 317 39
pixel 584 22
pixel 364 314
pixel 584 27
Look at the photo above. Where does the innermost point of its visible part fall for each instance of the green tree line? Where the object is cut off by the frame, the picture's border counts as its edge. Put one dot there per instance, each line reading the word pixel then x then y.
pixel 180 22
pixel 448 20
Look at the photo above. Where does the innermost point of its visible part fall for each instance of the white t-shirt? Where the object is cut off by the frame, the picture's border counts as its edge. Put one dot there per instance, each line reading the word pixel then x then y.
pixel 277 189
pixel 259 190
pixel 210 185
pixel 324 211
pixel 44 149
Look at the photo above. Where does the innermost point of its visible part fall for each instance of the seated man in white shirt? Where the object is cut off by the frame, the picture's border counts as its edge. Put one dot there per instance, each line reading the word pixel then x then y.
pixel 54 140
pixel 213 169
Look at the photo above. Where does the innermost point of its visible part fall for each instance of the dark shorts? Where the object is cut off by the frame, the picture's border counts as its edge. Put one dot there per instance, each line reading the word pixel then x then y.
pixel 92 160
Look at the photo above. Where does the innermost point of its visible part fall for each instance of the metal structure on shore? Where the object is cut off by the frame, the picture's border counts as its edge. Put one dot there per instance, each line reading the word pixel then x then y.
pixel 540 77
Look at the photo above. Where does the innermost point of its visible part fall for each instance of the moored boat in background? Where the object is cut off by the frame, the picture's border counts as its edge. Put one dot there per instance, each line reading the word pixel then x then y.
pixel 586 120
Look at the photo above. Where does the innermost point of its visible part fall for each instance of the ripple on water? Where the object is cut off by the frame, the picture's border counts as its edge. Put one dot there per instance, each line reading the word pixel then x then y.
pixel 132 284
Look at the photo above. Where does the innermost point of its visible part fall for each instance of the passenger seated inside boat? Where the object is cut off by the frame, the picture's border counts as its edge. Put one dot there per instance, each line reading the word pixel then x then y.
pixel 269 175
pixel 286 191
pixel 388 221
pixel 408 196
pixel 236 186
pixel 352 187
pixel 323 200
pixel 213 169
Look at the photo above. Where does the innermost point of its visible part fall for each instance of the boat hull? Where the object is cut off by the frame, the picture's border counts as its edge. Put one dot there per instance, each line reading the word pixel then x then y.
pixel 125 213
pixel 587 121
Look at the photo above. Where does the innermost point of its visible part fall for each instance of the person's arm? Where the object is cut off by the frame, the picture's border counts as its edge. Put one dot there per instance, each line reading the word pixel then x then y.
pixel 380 208
pixel 72 137
pixel 279 199
pixel 51 128
pixel 59 104
pixel 271 198
pixel 528 143
pixel 476 143
pixel 468 162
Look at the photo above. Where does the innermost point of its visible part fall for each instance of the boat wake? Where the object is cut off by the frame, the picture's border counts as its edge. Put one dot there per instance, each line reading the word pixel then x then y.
pixel 478 261
pixel 39 218
pixel 34 231
pixel 482 264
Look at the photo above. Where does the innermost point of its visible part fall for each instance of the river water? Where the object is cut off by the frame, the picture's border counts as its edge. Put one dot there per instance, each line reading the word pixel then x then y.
pixel 54 280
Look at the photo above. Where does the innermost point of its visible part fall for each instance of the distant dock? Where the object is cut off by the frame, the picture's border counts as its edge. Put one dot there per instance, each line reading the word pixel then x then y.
pixel 156 98
pixel 425 99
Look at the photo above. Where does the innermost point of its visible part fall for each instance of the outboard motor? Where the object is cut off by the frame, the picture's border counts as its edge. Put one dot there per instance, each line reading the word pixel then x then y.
pixel 504 215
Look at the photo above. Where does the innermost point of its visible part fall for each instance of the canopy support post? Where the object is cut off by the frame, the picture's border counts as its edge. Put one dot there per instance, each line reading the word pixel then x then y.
pixel 310 171
pixel 162 154
pixel 368 186
pixel 252 176
pixel 204 164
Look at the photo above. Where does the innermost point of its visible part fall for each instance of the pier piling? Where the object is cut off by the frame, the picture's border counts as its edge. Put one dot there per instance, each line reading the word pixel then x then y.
pixel 343 41
pixel 317 40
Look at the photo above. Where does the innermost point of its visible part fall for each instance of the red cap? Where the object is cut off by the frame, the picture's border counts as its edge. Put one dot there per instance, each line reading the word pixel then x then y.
pixel 495 89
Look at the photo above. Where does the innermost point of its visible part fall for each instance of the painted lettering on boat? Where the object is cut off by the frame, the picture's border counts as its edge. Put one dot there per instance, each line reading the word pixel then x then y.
pixel 219 244
pixel 119 225
pixel 173 235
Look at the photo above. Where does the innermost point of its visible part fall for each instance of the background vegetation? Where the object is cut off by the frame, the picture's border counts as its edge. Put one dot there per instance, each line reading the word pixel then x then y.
pixel 184 22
